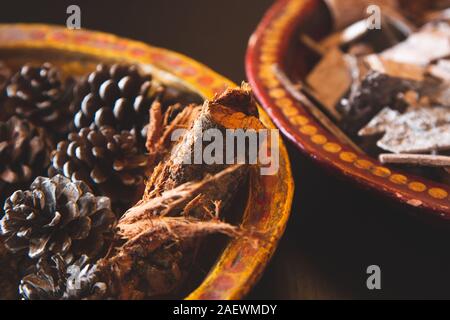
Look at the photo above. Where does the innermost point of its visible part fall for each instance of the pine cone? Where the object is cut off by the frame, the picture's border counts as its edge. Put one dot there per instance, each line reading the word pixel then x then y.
pixel 38 94
pixel 108 161
pixel 47 282
pixel 117 96
pixel 24 154
pixel 56 278
pixel 59 216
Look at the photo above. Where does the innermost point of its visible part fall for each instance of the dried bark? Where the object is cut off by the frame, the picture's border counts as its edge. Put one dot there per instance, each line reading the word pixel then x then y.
pixel 233 109
pixel 157 239
pixel 155 262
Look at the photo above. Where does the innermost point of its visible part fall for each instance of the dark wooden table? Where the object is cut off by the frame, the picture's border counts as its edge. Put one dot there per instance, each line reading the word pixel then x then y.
pixel 336 230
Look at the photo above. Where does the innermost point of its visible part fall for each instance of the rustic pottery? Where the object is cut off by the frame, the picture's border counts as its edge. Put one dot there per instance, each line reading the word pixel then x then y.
pixel 276 45
pixel 269 198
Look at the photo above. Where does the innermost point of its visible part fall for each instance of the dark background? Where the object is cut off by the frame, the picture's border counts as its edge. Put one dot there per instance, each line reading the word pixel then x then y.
pixel 336 230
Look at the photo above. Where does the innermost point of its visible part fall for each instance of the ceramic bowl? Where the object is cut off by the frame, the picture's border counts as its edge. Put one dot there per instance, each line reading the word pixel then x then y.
pixel 269 199
pixel 276 44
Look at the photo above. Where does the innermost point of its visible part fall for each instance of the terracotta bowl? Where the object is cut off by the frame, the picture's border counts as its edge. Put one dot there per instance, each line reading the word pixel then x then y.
pixel 269 199
pixel 276 44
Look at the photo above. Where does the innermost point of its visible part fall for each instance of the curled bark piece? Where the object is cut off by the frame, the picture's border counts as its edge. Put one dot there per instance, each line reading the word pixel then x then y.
pixel 234 109
pixel 172 202
pixel 158 238
pixel 155 127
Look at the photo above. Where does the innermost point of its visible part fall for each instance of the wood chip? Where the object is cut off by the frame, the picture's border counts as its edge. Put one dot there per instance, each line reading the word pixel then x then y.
pixel 380 123
pixel 395 69
pixel 440 70
pixel 417 131
pixel 350 34
pixel 330 80
pixel 425 160
pixel 421 48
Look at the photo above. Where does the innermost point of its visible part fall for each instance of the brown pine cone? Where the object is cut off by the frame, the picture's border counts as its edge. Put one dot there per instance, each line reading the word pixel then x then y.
pixel 107 160
pixel 117 96
pixel 57 216
pixel 47 281
pixel 39 94
pixel 55 278
pixel 24 154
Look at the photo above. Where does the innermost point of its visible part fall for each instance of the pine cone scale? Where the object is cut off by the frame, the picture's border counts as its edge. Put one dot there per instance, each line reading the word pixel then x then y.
pixel 80 229
pixel 69 213
pixel 37 246
pixel 87 205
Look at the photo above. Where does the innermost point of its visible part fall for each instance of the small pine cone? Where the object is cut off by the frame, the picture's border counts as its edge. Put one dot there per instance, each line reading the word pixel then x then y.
pixel 56 278
pixel 59 216
pixel 24 154
pixel 39 94
pixel 107 160
pixel 117 96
